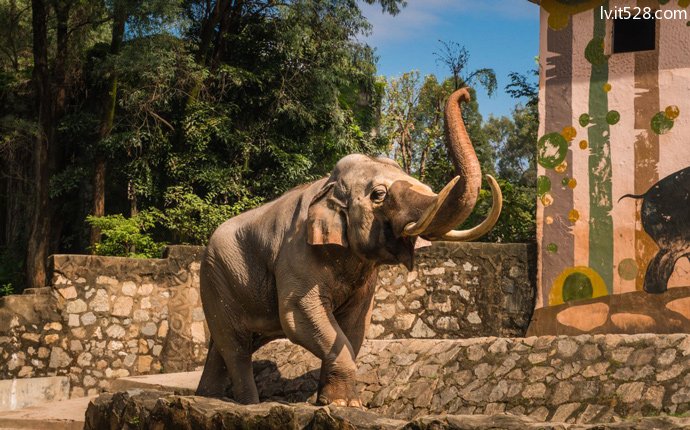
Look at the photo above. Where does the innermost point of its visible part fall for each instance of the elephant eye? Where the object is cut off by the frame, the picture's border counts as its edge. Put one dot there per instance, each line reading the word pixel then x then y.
pixel 378 194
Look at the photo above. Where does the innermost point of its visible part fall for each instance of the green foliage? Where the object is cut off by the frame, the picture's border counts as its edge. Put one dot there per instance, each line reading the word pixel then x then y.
pixel 11 268
pixel 192 219
pixel 6 289
pixel 517 220
pixel 127 237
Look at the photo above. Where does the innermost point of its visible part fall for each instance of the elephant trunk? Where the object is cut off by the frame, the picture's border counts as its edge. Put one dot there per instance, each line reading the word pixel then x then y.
pixel 456 201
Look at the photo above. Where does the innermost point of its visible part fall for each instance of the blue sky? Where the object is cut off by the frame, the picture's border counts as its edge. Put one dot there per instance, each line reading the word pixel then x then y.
pixel 500 34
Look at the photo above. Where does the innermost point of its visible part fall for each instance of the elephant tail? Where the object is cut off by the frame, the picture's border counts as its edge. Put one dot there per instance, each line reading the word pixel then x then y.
pixel 633 196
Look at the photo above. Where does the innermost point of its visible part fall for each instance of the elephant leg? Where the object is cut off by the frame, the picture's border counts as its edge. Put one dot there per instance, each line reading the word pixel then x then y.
pixel 238 360
pixel 308 322
pixel 214 379
pixel 354 315
pixel 232 342
pixel 661 267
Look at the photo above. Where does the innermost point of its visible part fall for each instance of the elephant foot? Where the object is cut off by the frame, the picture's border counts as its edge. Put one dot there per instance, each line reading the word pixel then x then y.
pixel 339 396
pixel 352 403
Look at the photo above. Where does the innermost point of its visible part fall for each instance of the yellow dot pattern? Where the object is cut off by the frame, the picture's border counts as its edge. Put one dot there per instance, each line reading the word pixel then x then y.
pixel 569 133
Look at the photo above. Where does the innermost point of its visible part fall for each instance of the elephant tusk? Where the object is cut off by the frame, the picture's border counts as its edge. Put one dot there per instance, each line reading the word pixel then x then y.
pixel 486 225
pixel 417 228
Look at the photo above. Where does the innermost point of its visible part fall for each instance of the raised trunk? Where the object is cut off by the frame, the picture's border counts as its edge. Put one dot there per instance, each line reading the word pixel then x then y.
pixel 461 200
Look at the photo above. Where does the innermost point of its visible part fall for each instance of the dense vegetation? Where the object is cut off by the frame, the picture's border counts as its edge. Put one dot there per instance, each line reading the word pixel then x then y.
pixel 126 124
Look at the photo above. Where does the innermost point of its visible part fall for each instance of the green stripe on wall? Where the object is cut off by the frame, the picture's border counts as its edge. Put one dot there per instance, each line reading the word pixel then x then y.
pixel 600 199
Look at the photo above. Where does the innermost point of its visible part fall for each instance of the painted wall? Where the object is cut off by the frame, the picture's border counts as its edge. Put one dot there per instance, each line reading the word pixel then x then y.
pixel 611 126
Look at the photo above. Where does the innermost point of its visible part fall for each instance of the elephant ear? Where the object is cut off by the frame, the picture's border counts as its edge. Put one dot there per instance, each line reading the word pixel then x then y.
pixel 326 223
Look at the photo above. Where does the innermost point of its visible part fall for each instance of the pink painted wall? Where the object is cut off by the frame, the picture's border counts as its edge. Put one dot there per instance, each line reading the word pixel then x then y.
pixel 611 124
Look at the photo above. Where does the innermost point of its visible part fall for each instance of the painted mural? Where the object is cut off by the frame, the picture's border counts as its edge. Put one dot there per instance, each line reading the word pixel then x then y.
pixel 614 174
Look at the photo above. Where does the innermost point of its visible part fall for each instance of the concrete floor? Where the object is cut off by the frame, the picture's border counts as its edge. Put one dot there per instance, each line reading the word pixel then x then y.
pixel 69 414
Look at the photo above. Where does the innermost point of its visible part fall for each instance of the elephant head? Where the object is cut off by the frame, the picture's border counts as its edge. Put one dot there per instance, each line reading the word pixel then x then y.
pixel 381 214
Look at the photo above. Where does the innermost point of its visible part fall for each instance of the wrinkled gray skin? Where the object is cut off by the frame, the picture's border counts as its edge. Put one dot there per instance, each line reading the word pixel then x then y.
pixel 304 266
pixel 320 297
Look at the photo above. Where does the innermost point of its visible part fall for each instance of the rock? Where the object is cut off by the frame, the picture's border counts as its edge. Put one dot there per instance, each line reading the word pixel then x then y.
pixel 404 321
pixel 106 280
pixel 75 346
pixel 567 347
pixel 534 391
pixel 198 332
pixel 76 306
pixel 84 359
pixel 149 329
pixel 447 323
pixel 129 288
pixel 100 302
pixel 630 392
pixel 475 353
pixel 145 289
pixel 383 312
pixel 144 364
pixel 52 326
pixel 667 357
pixel 141 315
pixel 115 331
pixel 436 271
pixel 88 318
pixel 564 412
pixel 421 330
pixel 51 338
pixel 122 306
pixel 59 358
pixel 473 318
pixel 68 293
pixel 32 337
pixel 163 329
pixel 25 372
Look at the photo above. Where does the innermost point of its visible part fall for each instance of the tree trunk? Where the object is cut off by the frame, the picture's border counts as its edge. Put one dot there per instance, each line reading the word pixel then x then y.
pixel 37 244
pixel 51 98
pixel 107 120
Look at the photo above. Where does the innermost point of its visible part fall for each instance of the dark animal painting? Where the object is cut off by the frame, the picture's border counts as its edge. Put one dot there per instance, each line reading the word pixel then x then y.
pixel 666 219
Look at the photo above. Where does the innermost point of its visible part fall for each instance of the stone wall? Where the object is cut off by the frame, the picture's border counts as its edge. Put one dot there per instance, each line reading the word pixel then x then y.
pixel 160 410
pixel 587 378
pixel 457 290
pixel 106 317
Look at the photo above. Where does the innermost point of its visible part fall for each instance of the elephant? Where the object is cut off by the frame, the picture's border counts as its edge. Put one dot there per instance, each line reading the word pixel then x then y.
pixel 304 266
pixel 664 214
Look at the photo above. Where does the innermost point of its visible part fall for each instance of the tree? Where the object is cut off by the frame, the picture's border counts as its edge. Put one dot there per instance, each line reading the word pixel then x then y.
pixel 514 142
pixel 401 110
pixel 456 57
pixel 231 101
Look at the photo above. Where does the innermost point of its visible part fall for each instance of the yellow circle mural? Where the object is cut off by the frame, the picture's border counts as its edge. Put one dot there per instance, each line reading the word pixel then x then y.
pixel 672 112
pixel 576 283
pixel 569 133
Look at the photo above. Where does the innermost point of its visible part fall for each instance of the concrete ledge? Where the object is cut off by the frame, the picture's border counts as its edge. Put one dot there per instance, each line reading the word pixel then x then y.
pixel 19 393
pixel 181 383
pixel 63 415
